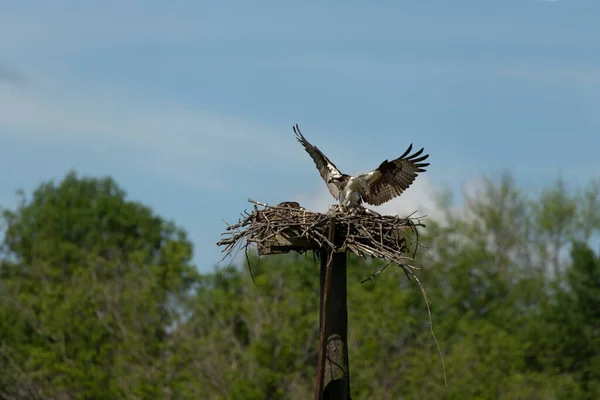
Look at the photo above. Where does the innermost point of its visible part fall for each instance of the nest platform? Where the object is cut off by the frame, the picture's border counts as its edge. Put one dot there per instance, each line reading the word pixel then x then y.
pixel 289 227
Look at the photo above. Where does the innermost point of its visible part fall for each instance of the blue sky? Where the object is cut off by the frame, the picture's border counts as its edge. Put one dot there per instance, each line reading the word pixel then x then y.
pixel 189 105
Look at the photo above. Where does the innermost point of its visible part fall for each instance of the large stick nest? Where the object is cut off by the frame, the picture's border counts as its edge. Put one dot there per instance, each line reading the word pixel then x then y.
pixel 288 226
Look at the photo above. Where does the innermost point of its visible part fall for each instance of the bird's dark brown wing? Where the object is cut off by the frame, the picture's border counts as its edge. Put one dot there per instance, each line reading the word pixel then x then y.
pixel 324 165
pixel 396 177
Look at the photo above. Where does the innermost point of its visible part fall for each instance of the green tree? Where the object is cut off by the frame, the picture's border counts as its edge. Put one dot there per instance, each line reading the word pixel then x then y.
pixel 567 339
pixel 254 342
pixel 555 215
pixel 588 222
pixel 98 300
pixel 91 285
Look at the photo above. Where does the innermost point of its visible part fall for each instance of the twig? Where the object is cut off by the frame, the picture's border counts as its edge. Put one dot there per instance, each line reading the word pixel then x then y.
pixel 372 277
pixel 431 328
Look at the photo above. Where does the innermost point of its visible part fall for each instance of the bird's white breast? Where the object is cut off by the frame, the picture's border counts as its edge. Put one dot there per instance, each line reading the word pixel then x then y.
pixel 355 188
pixel 357 184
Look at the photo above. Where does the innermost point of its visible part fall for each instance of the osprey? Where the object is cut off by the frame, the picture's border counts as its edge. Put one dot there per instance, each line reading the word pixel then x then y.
pixel 389 180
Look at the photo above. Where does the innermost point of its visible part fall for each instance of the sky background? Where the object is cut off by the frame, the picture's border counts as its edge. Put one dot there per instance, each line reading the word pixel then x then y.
pixel 189 105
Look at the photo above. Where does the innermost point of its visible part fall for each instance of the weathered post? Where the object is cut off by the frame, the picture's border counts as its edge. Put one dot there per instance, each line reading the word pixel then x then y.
pixel 333 378
pixel 289 227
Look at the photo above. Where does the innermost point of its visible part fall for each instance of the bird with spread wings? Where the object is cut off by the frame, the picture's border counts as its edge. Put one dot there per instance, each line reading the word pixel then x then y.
pixel 376 187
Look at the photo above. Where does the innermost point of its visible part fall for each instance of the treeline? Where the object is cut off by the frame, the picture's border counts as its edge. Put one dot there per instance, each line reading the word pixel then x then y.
pixel 99 300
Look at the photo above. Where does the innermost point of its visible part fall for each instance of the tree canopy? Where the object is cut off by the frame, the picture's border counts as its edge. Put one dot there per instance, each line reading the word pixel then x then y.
pixel 99 299
pixel 91 287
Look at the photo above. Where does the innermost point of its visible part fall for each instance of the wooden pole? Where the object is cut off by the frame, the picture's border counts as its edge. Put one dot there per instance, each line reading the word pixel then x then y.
pixel 333 377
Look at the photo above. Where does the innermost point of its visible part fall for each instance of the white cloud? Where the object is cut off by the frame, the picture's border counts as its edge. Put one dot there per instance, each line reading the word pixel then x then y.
pixel 159 137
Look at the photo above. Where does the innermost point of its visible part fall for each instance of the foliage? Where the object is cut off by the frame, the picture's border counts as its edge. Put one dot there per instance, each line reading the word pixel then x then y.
pixel 91 285
pixel 98 299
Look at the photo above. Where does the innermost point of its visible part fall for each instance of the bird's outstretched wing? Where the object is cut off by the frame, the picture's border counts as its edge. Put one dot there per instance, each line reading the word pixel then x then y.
pixel 392 178
pixel 324 165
